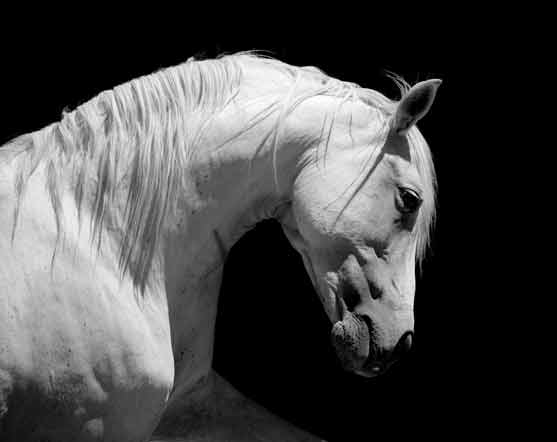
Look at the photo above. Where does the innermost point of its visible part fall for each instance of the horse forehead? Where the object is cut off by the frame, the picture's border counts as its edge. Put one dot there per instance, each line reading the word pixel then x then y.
pixel 397 155
pixel 401 170
pixel 398 145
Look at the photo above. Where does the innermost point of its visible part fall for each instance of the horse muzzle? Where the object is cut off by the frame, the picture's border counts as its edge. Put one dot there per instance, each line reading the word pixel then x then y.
pixel 353 340
pixel 369 337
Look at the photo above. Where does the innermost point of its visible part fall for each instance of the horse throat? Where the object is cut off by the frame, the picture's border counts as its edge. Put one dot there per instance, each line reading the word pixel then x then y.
pixel 214 219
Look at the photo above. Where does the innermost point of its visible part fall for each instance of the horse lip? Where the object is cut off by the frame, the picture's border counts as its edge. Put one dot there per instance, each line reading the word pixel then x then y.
pixel 370 372
pixel 370 367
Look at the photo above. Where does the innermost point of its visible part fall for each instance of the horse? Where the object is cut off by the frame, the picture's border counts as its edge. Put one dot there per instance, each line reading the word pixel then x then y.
pixel 115 223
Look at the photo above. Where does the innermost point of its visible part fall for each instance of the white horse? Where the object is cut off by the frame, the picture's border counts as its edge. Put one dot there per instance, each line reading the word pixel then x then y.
pixel 115 223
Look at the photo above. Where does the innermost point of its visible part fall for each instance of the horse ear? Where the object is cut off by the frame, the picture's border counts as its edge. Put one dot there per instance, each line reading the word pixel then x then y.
pixel 414 105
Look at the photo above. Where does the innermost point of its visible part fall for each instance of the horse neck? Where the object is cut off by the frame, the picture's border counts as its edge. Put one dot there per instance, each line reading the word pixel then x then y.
pixel 232 187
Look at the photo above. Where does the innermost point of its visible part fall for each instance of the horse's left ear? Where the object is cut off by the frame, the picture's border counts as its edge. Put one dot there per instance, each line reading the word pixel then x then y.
pixel 414 105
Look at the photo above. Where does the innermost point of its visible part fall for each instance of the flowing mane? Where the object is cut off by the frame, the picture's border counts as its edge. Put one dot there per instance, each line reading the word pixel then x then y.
pixel 139 137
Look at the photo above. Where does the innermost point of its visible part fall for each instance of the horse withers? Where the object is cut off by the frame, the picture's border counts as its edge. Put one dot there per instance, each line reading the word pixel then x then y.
pixel 115 223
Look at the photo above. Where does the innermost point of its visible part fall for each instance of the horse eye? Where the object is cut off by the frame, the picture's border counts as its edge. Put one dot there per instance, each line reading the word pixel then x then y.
pixel 410 200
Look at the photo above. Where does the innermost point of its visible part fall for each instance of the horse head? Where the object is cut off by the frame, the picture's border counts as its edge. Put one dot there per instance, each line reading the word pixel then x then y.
pixel 358 220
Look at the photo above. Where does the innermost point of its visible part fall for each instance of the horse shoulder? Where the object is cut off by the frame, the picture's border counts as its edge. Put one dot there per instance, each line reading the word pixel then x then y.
pixel 80 357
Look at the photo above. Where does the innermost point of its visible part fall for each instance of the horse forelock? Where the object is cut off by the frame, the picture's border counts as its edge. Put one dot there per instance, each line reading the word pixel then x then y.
pixel 423 160
pixel 139 137
pixel 421 157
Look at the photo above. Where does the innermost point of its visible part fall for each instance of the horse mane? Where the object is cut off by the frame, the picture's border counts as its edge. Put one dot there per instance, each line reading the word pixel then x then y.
pixel 139 138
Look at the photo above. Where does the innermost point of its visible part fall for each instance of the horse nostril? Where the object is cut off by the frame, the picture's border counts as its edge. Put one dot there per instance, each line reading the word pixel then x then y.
pixel 403 345
pixel 351 297
pixel 407 341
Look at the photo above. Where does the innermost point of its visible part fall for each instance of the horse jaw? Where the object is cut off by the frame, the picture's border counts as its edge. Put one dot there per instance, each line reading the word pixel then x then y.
pixel 350 334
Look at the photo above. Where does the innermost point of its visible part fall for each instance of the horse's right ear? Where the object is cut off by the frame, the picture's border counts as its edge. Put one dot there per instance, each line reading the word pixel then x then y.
pixel 414 105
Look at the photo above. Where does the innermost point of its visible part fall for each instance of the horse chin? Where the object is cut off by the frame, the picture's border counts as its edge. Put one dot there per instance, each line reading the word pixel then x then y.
pixel 351 340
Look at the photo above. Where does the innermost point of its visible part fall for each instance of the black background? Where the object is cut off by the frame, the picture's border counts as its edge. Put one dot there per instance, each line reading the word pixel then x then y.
pixel 272 336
